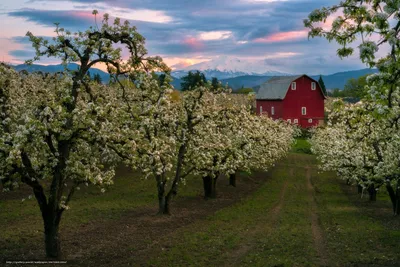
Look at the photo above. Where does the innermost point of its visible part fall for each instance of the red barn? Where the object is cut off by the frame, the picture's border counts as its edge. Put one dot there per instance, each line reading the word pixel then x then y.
pixel 296 99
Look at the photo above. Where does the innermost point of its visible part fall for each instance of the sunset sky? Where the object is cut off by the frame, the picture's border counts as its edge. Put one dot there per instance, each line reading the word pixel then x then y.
pixel 185 32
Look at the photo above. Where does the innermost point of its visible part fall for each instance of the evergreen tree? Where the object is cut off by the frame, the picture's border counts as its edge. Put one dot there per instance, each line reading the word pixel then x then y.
pixel 215 84
pixel 192 80
pixel 322 84
pixel 161 79
pixel 355 87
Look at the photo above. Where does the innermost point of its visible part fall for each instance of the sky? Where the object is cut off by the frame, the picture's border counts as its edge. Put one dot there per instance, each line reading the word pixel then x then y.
pixel 185 32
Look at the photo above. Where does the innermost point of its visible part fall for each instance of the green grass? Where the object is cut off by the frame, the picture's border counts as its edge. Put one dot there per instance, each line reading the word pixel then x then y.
pixel 242 235
pixel 129 192
pixel 266 228
pixel 87 204
pixel 358 232
pixel 223 231
pixel 301 146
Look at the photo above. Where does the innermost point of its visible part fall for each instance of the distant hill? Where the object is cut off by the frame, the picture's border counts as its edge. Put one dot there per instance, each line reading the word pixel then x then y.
pixel 105 77
pixel 247 81
pixel 176 83
pixel 336 80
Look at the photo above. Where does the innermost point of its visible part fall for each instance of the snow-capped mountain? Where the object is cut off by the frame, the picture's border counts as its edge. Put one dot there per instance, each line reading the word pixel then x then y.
pixel 225 67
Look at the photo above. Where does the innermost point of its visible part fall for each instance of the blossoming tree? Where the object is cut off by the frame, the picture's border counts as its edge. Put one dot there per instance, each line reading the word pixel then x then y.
pixel 60 131
pixel 232 139
pixel 368 133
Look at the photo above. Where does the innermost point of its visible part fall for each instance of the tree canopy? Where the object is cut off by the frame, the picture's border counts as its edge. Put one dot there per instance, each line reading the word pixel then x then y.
pixel 244 91
pixel 193 79
pixel 322 84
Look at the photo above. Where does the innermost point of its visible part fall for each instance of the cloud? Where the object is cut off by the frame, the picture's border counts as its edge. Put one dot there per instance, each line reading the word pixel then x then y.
pixel 215 35
pixel 282 55
pixel 71 18
pixel 282 36
pixel 22 54
pixel 193 43
pixel 209 28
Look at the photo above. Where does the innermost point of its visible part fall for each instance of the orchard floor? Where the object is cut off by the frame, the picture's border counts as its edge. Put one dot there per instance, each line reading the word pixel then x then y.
pixel 290 216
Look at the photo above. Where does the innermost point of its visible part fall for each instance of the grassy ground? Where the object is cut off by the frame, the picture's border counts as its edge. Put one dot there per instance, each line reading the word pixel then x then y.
pixel 290 216
pixel 302 146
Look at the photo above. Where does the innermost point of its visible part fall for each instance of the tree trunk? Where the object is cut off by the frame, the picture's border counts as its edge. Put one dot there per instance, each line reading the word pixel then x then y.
pixel 162 200
pixel 359 188
pixel 52 241
pixel 372 193
pixel 173 191
pixel 161 195
pixel 214 187
pixel 51 221
pixel 166 209
pixel 232 179
pixel 396 207
pixel 395 198
pixel 207 184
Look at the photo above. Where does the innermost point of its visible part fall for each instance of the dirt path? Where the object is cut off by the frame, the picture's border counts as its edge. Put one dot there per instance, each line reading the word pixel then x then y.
pixel 233 258
pixel 319 241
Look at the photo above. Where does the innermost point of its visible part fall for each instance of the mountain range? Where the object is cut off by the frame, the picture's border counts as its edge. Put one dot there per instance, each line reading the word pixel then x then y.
pixel 224 67
pixel 237 73
pixel 105 77
pixel 332 81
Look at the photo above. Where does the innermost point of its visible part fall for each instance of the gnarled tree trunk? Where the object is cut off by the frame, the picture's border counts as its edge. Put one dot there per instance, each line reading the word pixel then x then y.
pixel 174 188
pixel 372 192
pixel 208 187
pixel 214 187
pixel 51 237
pixel 395 198
pixel 359 188
pixel 232 179
pixel 51 215
pixel 161 195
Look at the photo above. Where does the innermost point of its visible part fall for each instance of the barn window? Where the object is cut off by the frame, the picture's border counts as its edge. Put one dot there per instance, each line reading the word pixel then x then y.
pixel 260 109
pixel 309 120
pixel 272 111
pixel 293 85
pixel 289 120
pixel 303 111
pixel 313 86
pixel 296 121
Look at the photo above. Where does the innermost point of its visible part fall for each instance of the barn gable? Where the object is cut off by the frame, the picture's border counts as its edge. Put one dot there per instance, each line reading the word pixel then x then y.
pixel 277 87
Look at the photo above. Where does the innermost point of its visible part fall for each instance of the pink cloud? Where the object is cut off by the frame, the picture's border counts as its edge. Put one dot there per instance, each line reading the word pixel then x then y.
pixel 193 43
pixel 7 45
pixel 87 15
pixel 282 36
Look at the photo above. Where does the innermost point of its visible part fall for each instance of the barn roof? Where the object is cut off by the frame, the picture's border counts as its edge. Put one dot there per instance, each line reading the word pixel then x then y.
pixel 276 87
